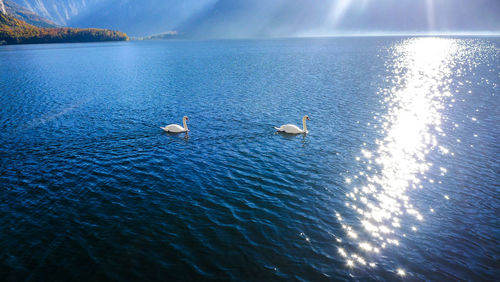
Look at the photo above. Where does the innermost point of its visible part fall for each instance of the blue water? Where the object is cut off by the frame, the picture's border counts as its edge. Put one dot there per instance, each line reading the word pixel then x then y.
pixel 397 179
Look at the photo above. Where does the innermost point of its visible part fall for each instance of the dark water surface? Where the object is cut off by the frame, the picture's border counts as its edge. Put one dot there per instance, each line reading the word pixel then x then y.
pixel 398 178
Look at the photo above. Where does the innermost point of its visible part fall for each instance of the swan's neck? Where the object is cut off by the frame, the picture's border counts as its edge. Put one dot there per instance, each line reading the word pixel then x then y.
pixel 185 124
pixel 304 125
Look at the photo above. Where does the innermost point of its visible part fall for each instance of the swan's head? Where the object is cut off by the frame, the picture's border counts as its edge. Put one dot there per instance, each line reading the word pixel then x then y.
pixel 185 118
pixel 306 117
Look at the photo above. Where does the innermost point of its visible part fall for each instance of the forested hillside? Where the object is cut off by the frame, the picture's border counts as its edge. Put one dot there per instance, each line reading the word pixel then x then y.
pixel 15 31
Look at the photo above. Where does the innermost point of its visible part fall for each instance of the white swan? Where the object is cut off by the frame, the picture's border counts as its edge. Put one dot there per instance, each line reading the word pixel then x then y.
pixel 293 129
pixel 175 128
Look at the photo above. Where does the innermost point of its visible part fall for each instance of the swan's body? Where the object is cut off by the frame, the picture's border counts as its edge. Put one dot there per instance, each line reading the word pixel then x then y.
pixel 175 128
pixel 293 129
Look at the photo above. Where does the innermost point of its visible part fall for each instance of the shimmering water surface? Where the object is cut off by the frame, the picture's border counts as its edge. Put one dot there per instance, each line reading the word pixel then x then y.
pixel 398 178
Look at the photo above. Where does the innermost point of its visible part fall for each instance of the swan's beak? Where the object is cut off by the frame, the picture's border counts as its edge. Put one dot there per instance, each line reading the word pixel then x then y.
pixel 308 118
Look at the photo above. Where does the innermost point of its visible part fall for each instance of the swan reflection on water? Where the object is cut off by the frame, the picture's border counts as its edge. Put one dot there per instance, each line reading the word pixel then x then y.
pixel 184 135
pixel 420 74
pixel 289 136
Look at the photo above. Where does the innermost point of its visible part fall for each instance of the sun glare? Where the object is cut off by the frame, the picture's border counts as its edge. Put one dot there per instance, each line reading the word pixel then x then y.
pixel 419 74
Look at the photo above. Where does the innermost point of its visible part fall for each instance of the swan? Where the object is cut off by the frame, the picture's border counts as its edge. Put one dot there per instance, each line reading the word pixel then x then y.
pixel 175 128
pixel 293 129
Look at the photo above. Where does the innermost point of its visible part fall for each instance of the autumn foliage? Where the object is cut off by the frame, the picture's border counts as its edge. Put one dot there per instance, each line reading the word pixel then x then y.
pixel 14 31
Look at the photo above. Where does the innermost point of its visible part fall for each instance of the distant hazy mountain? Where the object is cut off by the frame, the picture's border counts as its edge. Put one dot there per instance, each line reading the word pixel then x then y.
pixel 249 18
pixel 240 18
pixel 243 18
pixel 26 15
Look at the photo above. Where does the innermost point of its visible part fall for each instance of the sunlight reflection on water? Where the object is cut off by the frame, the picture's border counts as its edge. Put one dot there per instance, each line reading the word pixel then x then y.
pixel 420 74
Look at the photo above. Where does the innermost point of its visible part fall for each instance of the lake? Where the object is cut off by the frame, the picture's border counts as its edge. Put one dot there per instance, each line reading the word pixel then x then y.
pixel 398 177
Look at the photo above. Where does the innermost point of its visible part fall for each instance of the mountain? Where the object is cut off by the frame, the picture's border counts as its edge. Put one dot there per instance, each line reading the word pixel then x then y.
pixel 26 15
pixel 272 18
pixel 15 31
pixel 138 18
pixel 58 11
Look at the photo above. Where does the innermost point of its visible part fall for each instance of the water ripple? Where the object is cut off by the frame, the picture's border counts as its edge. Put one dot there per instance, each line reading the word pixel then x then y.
pixel 397 178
